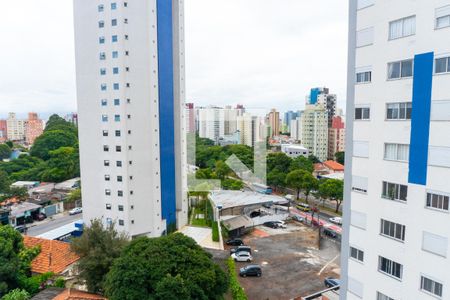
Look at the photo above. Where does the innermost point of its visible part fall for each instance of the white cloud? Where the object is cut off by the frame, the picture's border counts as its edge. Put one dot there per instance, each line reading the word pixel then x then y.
pixel 262 53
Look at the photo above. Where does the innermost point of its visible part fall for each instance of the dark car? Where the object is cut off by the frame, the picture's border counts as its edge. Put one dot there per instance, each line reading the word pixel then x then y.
pixel 40 217
pixel 330 233
pixel 255 214
pixel 250 270
pixel 240 249
pixel 235 242
pixel 21 228
pixel 331 282
pixel 271 224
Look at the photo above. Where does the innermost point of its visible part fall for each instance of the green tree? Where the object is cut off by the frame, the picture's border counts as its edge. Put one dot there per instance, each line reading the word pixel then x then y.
pixel 63 164
pixel 313 159
pixel 172 288
pixel 55 122
pixel 15 259
pixel 52 140
pixel 301 163
pixel 294 180
pixel 4 182
pixel 10 144
pixel 309 183
pixel 74 196
pixel 222 170
pixel 5 151
pixel 18 192
pixel 333 189
pixel 276 178
pixel 17 294
pixel 340 157
pixel 232 184
pixel 142 269
pixel 98 247
pixel 279 161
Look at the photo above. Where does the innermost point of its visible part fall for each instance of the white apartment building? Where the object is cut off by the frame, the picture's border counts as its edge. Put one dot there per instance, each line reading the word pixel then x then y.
pixel 16 128
pixel 314 123
pixel 211 122
pixel 130 88
pixel 396 212
pixel 296 129
pixel 250 129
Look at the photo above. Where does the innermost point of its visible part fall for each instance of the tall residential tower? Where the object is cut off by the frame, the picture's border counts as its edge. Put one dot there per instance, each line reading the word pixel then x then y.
pixel 130 86
pixel 396 224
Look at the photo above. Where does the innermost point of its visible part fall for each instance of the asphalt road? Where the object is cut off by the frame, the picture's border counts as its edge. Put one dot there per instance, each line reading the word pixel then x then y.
pixel 50 224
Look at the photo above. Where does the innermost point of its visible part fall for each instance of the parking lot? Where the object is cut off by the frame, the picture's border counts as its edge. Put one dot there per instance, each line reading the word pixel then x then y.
pixel 291 263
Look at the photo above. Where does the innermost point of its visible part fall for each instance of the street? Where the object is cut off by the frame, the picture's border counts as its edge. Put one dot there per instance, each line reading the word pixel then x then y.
pixel 48 224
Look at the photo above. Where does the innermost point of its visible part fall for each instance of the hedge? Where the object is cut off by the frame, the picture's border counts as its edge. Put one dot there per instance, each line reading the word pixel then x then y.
pixel 236 290
pixel 215 232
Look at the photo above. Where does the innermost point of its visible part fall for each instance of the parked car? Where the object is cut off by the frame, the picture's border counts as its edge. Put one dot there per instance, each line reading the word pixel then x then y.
pixel 241 249
pixel 21 228
pixel 280 224
pixel 271 224
pixel 298 218
pixel 242 256
pixel 331 282
pixel 336 220
pixel 235 242
pixel 303 207
pixel 250 270
pixel 76 210
pixel 255 214
pixel 330 233
pixel 40 217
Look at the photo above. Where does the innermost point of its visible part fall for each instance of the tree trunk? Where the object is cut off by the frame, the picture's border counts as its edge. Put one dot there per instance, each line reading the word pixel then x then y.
pixel 338 203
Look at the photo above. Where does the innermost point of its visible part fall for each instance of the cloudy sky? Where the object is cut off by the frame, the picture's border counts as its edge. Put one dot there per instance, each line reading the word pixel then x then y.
pixel 261 53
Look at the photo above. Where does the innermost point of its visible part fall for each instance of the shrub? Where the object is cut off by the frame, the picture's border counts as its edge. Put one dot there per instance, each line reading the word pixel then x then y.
pixel 215 232
pixel 60 282
pixel 236 290
pixel 17 294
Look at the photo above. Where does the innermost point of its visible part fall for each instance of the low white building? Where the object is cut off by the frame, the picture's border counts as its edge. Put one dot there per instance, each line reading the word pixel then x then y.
pixel 293 150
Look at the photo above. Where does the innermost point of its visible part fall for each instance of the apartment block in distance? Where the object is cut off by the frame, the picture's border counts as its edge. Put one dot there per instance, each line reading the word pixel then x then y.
pixel 15 128
pixel 34 127
pixel 130 89
pixel 396 216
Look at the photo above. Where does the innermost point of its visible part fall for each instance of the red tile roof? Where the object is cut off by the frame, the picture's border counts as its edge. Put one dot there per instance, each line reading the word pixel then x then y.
pixel 333 165
pixel 71 294
pixel 55 256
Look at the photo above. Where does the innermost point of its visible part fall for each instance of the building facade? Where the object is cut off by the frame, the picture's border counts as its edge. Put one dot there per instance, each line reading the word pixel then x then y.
pixel 190 118
pixel 336 137
pixel 249 128
pixel 396 216
pixel 15 128
pixel 3 131
pixel 34 127
pixel 130 89
pixel 274 122
pixel 314 123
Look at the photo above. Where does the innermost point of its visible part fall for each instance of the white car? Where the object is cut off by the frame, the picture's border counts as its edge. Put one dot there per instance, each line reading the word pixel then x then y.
pixel 242 256
pixel 76 210
pixel 281 224
pixel 336 220
pixel 298 218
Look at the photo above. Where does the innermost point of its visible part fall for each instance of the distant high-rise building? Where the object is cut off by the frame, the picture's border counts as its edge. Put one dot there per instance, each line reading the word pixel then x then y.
pixel 336 137
pixel 288 117
pixel 72 118
pixel 274 122
pixel 322 96
pixel 315 130
pixel 190 118
pixel 3 130
pixel 15 128
pixel 250 129
pixel 211 123
pixel 396 233
pixel 130 89
pixel 34 127
pixel 296 129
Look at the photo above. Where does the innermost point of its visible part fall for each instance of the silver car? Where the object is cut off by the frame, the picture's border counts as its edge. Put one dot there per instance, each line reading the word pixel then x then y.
pixel 242 256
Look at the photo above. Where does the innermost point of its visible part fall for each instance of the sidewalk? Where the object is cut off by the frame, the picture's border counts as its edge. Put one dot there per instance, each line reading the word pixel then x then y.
pixel 49 219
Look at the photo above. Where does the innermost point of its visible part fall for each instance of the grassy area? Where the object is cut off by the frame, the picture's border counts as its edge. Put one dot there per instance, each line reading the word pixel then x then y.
pixel 199 221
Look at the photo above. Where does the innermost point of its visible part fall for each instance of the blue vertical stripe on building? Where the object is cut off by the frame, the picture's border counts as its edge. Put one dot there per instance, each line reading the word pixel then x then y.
pixel 166 110
pixel 420 118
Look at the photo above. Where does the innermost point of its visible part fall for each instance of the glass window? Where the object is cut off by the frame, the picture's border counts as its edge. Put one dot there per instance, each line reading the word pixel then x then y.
pixel 105 148
pixel 116 86
pixel 113 6
pixel 101 24
pixel 116 102
pixel 117 132
pixel 362 113
pixel 114 22
pixel 102 71
pixel 115 70
pixel 443 21
pixel 118 163
pixel 400 69
pixel 390 267
pixel 398 152
pixel 120 207
pixel 394 191
pixel 108 206
pixel 407 68
pixel 117 118
pixel 104 118
pixel 103 87
pixel 357 254
pixel 104 102
pixel 120 193
pixel 431 286
pixel 107 177
pixel 399 111
pixel 121 223
pixel 402 28
pixel 393 230
pixel 102 56
pixel 437 201
pixel 105 132
pixel 115 54
pixel 114 38
pixel 101 40
pixel 381 296
pixel 118 149
pixel 106 163
pixel 108 192
pixel 364 77
pixel 109 221
pixel 442 65
pixel 119 178
pixel 101 8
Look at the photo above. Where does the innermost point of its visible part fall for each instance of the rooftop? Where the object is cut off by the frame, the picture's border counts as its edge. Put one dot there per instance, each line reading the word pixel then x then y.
pixel 22 207
pixel 229 199
pixel 68 184
pixel 334 165
pixel 55 256
pixel 71 294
